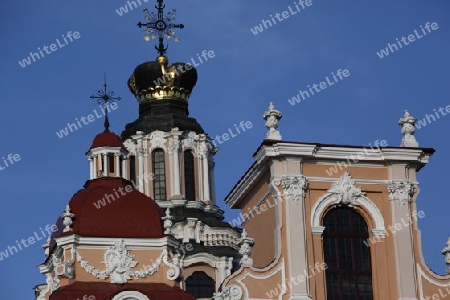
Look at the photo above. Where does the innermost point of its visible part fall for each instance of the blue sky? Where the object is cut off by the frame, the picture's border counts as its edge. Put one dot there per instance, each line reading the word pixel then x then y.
pixel 247 72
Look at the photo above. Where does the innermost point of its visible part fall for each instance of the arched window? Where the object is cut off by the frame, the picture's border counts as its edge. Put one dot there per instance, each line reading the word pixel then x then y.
pixel 133 169
pixel 349 272
pixel 111 163
pixel 159 170
pixel 189 175
pixel 200 285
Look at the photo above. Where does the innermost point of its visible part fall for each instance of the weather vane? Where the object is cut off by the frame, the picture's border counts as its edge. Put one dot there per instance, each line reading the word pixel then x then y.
pixel 104 97
pixel 161 26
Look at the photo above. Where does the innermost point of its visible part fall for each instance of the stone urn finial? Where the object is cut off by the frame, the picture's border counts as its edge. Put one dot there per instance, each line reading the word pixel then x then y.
pixel 408 122
pixel 67 217
pixel 272 116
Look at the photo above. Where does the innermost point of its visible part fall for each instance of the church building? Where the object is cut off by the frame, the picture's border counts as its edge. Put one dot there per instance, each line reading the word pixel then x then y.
pixel 319 221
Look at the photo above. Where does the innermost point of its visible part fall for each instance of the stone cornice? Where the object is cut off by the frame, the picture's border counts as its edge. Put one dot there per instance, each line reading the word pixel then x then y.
pixel 102 242
pixel 254 173
pixel 397 154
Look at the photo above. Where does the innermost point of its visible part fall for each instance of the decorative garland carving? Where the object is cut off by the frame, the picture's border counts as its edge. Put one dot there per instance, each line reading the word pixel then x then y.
pixel 119 263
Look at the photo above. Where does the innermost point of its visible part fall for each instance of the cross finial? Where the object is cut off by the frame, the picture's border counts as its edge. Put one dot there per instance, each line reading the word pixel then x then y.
pixel 161 26
pixel 104 97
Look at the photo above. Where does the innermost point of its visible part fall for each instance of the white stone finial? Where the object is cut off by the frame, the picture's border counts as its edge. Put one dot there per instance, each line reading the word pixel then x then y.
pixel 67 219
pixel 408 122
pixel 446 252
pixel 245 248
pixel 272 116
pixel 168 222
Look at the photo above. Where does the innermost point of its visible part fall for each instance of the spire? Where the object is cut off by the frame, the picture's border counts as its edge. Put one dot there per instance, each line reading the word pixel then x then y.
pixel 104 97
pixel 161 26
pixel 272 116
pixel 408 122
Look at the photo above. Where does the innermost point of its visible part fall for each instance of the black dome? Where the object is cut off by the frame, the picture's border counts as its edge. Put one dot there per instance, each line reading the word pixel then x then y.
pixel 149 75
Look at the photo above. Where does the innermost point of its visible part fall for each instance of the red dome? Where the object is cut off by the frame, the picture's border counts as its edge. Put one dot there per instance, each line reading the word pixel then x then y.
pixel 128 214
pixel 107 139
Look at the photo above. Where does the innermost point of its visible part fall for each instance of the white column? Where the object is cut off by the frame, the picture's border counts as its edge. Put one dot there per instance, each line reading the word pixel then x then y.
pixel 124 168
pixel 176 173
pixel 95 158
pixel 117 165
pixel 206 196
pixel 141 172
pixel 91 167
pixel 146 167
pixel 212 181
pixel 105 165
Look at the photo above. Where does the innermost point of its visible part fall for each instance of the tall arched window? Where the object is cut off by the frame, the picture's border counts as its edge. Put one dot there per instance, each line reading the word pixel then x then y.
pixel 133 169
pixel 111 163
pixel 349 272
pixel 189 175
pixel 159 170
pixel 200 285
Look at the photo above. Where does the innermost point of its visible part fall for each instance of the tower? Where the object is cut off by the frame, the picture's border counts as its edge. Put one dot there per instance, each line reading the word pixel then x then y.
pixel 145 224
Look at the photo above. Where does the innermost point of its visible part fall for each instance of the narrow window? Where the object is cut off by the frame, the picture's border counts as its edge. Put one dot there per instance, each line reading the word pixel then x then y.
pixel 349 272
pixel 111 164
pixel 189 175
pixel 133 169
pixel 159 183
pixel 200 285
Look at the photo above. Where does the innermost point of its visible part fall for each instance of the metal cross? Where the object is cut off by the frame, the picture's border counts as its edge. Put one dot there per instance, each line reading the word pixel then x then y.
pixel 160 26
pixel 104 97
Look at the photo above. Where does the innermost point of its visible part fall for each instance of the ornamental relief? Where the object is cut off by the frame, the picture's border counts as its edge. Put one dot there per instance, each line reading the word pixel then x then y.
pixel 232 292
pixel 119 265
pixel 292 187
pixel 345 191
pixel 401 191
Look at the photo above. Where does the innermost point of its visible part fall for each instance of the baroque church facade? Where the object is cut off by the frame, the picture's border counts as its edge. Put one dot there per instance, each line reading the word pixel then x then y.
pixel 146 225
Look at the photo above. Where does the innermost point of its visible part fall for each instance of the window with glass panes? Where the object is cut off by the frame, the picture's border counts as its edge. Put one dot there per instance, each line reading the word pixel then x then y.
pixel 189 175
pixel 349 272
pixel 159 171
pixel 200 285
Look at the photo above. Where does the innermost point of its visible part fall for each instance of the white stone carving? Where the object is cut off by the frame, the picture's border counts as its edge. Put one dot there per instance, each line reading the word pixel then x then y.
pixel 53 282
pixel 175 266
pixel 64 268
pixel 293 186
pixel 446 252
pixel 224 267
pixel 174 145
pixel 168 222
pixel 67 217
pixel 128 295
pixel 408 122
pixel 345 191
pixel 245 249
pixel 157 140
pixel 119 262
pixel 272 116
pixel 189 141
pixel 46 247
pixel 203 147
pixel 401 191
pixel 233 292
pixel 329 199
